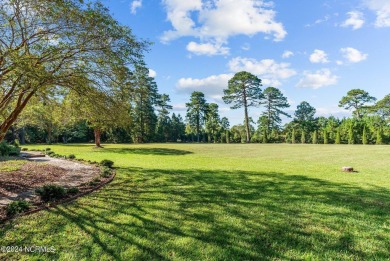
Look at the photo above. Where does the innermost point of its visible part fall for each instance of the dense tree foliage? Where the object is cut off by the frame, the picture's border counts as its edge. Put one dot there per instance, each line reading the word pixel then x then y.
pixel 48 46
pixel 197 113
pixel 356 99
pixel 243 91
pixel 69 72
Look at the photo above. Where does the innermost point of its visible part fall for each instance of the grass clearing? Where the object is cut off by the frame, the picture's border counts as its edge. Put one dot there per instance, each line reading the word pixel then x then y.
pixel 220 202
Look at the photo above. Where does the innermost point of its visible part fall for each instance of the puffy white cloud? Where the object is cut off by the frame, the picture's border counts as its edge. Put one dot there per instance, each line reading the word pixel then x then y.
pixel 211 86
pixel 207 49
pixel 382 10
pixel 179 14
pixel 332 111
pixel 220 19
pixel 318 79
pixel 287 54
pixel 319 56
pixel 268 70
pixel 135 5
pixel 152 73
pixel 352 55
pixel 355 20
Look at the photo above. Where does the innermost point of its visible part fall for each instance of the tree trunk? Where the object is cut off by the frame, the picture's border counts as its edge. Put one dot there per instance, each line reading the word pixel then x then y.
pixel 248 135
pixel 22 136
pixel 97 132
pixel 6 124
pixel 198 127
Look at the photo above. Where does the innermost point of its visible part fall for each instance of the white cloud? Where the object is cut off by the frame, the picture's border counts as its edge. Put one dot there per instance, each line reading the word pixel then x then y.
pixel 319 56
pixel 352 55
pixel 179 107
pixel 246 47
pixel 382 10
pixel 217 20
pixel 207 49
pixel 355 20
pixel 319 21
pixel 212 86
pixel 318 79
pixel 135 5
pixel 332 111
pixel 268 70
pixel 152 73
pixel 287 54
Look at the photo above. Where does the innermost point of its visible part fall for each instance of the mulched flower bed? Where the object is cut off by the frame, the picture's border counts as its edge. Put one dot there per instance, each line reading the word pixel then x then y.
pixel 32 175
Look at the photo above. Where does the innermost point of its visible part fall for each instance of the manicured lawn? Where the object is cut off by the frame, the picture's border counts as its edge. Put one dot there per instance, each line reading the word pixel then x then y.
pixel 220 202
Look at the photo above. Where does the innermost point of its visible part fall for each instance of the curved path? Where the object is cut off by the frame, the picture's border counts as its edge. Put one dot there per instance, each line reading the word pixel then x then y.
pixel 76 174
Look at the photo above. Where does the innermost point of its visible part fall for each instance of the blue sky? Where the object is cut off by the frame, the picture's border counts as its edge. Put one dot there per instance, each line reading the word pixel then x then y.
pixel 313 51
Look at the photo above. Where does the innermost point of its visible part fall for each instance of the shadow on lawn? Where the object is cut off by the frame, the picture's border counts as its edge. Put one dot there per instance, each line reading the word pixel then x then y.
pixel 147 151
pixel 220 215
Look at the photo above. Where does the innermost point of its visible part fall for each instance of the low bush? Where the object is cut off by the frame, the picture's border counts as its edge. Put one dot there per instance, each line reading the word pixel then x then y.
pixel 48 149
pixel 71 156
pixel 107 163
pixel 72 190
pixel 50 153
pixel 51 192
pixel 8 150
pixel 24 149
pixel 105 172
pixel 17 207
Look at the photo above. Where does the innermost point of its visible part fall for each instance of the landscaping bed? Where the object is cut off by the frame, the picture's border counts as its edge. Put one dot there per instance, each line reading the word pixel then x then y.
pixel 20 179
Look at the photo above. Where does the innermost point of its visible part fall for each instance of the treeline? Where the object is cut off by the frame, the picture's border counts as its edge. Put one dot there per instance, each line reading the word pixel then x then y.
pixel 152 121
pixel 69 72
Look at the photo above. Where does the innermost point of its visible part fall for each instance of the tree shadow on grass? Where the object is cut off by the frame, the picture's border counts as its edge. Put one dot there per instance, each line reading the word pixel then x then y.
pixel 147 151
pixel 153 214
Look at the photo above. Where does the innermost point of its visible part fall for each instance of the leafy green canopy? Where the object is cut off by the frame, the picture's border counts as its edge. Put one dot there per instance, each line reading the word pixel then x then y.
pixel 47 46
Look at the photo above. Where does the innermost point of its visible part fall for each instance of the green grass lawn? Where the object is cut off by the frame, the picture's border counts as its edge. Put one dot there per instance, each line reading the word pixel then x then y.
pixel 220 202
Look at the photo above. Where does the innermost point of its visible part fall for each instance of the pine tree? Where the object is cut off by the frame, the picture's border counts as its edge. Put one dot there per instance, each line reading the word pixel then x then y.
pixel 351 136
pixel 265 138
pixel 315 138
pixel 243 91
pixel 303 138
pixel 338 138
pixel 293 141
pixel 379 140
pixel 273 101
pixel 364 138
pixel 325 137
pixel 196 112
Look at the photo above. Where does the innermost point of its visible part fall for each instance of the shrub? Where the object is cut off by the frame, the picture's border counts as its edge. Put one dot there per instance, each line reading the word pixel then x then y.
pixel 8 150
pixel 15 151
pixel 51 192
pixel 24 149
pixel 17 207
pixel 105 172
pixel 71 156
pixel 51 153
pixel 107 163
pixel 73 190
pixel 48 149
